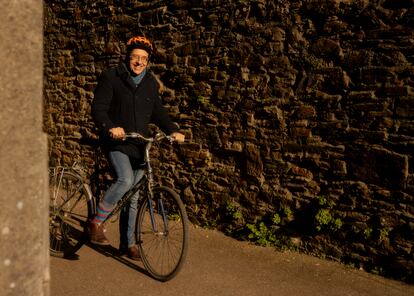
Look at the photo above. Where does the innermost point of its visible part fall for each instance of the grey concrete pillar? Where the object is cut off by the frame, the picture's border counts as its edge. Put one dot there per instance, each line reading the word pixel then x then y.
pixel 24 260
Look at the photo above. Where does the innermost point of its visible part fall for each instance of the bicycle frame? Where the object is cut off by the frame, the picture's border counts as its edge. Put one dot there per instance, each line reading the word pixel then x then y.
pixel 147 182
pixel 126 198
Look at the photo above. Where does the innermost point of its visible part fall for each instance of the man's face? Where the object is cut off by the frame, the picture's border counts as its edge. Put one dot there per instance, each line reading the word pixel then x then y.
pixel 138 60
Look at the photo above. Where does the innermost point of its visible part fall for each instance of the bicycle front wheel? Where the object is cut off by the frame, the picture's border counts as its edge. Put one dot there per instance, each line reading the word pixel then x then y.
pixel 162 233
pixel 69 210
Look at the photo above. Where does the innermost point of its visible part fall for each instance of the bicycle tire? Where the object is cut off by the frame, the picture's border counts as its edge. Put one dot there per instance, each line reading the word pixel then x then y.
pixel 163 251
pixel 70 208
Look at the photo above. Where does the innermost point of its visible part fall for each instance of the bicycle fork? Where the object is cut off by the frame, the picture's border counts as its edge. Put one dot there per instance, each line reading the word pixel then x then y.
pixel 160 208
pixel 159 202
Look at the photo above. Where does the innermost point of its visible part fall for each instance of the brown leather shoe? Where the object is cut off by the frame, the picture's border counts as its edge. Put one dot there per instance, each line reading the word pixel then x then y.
pixel 96 234
pixel 133 253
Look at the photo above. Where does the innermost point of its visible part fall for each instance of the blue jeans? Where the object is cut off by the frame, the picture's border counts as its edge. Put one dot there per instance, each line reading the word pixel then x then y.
pixel 127 176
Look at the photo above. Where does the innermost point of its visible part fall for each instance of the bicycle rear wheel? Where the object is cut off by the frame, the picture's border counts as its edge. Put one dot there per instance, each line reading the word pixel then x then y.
pixel 163 240
pixel 69 210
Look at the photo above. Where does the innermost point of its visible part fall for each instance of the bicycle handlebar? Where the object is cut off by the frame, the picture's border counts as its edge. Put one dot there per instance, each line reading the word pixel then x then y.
pixel 158 137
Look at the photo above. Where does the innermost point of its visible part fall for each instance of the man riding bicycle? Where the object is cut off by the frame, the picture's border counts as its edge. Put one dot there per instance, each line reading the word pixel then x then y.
pixel 127 99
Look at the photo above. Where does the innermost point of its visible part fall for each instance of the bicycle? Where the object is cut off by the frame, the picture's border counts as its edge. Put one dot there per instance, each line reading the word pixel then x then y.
pixel 161 230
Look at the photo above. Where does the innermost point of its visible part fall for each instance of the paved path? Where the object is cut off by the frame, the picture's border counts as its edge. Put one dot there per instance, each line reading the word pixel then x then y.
pixel 218 266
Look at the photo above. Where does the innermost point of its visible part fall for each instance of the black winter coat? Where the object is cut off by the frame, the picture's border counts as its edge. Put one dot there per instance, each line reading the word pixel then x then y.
pixel 118 102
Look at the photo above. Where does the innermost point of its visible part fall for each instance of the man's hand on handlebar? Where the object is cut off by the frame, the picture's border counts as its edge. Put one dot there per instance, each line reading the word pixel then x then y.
pixel 178 137
pixel 117 133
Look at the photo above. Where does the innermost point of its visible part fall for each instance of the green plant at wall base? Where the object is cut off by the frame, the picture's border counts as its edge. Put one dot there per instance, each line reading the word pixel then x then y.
pixel 265 235
pixel 261 234
pixel 230 207
pixel 377 270
pixel 324 220
pixel 233 211
pixel 336 224
pixel 237 215
pixel 276 219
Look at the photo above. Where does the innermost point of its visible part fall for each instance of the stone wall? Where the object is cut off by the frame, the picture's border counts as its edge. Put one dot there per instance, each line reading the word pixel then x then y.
pixel 299 114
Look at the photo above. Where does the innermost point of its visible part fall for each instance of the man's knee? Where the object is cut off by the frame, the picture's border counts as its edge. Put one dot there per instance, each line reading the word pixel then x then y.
pixel 125 183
